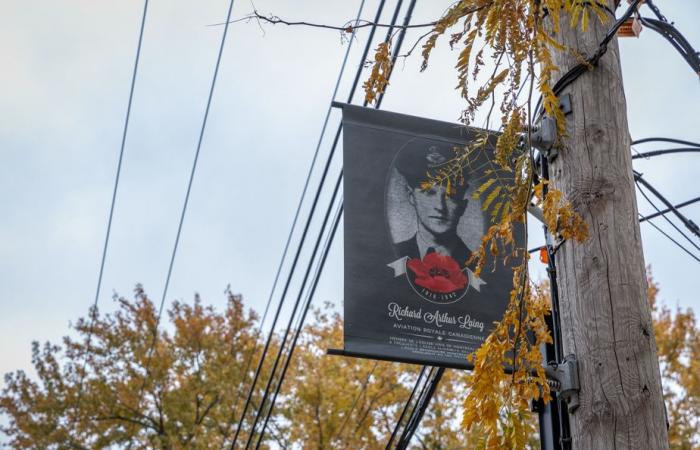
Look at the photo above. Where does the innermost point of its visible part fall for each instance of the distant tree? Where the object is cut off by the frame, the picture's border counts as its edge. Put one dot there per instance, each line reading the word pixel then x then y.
pixel 678 342
pixel 181 395
pixel 336 402
pixel 189 393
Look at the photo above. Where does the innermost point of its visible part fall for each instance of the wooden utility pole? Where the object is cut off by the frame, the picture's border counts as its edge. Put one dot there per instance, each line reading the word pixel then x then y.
pixel 605 318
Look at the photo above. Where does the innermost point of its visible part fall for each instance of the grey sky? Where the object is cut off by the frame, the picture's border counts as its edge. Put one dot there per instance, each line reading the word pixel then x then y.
pixel 65 85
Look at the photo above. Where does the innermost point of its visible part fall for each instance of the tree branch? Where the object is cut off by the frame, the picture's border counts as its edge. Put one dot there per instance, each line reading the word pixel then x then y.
pixel 348 27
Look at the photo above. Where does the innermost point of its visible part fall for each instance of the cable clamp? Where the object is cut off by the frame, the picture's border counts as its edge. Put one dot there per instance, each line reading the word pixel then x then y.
pixel 564 380
pixel 544 134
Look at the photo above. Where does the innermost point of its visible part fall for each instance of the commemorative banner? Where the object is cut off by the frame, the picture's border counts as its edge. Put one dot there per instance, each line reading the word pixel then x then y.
pixel 409 294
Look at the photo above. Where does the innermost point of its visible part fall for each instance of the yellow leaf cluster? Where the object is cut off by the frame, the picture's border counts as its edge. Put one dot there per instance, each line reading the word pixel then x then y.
pixel 379 76
pixel 519 36
pixel 560 217
pixel 498 402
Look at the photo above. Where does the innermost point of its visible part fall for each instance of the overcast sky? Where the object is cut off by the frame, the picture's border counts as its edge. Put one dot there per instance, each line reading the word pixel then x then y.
pixel 65 83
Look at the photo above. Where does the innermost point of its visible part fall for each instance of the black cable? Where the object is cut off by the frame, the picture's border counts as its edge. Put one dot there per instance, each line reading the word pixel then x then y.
pixel 641 219
pixel 114 199
pixel 306 227
pixel 677 40
pixel 641 191
pixel 667 210
pixel 666 152
pixel 665 139
pixel 655 10
pixel 557 341
pixel 673 240
pixel 324 255
pixel 420 395
pixel 405 408
pixel 687 222
pixel 399 43
pixel 348 414
pixel 396 51
pixel 281 350
pixel 305 310
pixel 301 200
pixel 420 409
pixel 581 68
pixel 187 197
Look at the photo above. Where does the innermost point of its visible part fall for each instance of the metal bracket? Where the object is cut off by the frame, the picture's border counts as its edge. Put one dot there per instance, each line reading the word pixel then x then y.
pixel 544 134
pixel 565 380
pixel 565 104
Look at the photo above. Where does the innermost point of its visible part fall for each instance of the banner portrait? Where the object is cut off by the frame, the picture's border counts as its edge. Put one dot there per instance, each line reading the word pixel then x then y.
pixel 409 293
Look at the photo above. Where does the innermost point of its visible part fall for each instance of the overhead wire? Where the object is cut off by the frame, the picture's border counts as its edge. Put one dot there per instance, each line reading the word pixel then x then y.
pixel 689 224
pixel 103 259
pixel 355 401
pixel 665 139
pixel 187 198
pixel 305 310
pixel 673 36
pixel 302 239
pixel 290 351
pixel 405 408
pixel 646 197
pixel 674 241
pixel 668 210
pixel 395 54
pixel 286 334
pixel 579 69
pixel 301 199
pixel 421 406
pixel 649 154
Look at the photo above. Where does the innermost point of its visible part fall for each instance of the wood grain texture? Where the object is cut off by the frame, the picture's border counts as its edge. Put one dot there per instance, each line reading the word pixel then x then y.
pixel 605 316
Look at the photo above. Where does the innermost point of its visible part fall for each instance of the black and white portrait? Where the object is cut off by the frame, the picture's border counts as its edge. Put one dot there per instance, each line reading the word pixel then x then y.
pixel 426 220
pixel 433 231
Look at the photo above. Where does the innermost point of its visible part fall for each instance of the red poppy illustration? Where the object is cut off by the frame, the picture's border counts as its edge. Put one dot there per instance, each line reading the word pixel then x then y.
pixel 438 273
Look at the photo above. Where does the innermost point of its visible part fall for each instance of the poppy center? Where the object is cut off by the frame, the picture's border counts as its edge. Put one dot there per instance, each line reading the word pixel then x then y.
pixel 438 272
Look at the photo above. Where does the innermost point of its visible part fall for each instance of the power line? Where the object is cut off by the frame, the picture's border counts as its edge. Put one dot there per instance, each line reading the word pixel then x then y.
pixel 671 34
pixel 668 151
pixel 302 197
pixel 278 357
pixel 187 197
pixel 674 241
pixel 667 210
pixel 305 310
pixel 324 253
pixel 687 222
pixel 665 139
pixel 380 8
pixel 421 406
pixel 297 302
pixel 348 414
pixel 93 311
pixel 405 408
pixel 575 72
pixel 641 191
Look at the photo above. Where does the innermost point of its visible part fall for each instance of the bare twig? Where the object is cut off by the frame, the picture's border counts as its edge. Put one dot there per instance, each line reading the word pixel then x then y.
pixel 348 27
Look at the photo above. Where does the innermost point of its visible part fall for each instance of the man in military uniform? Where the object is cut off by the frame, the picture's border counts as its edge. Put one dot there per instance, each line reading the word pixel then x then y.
pixel 437 213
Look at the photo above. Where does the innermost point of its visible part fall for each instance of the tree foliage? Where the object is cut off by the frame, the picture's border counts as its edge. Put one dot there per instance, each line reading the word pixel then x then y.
pixel 101 389
pixel 518 36
pixel 678 344
pixel 192 393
